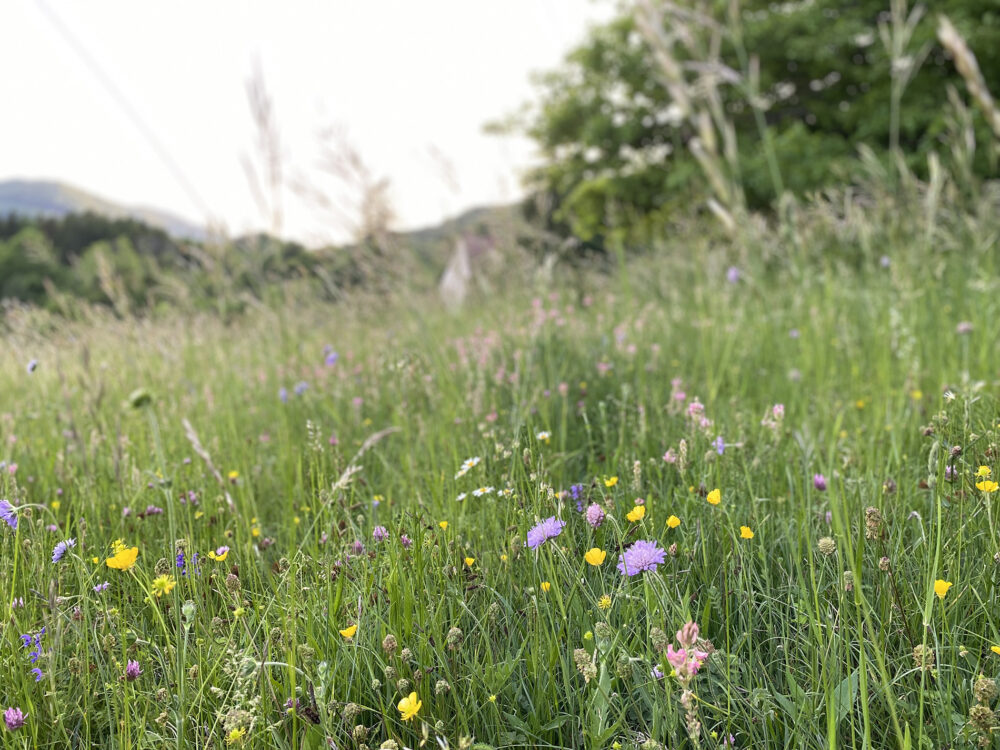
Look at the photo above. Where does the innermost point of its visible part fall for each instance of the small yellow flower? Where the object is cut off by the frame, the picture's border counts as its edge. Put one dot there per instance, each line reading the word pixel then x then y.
pixel 239 612
pixel 916 394
pixel 56 504
pixel 503 558
pixel 198 514
pixel 95 560
pixel 296 520
pixel 409 706
pixel 673 522
pixel 595 556
pixel 123 560
pixel 163 585
pixel 469 561
pixel 493 699
pixel 859 404
pixel 604 603
pixel 690 488
pixel 610 481
pixel 255 531
pixel 443 525
pixel 987 485
pixel 995 649
pixel 236 736
pixel 219 555
pixel 714 497
pixel 941 588
pixel 348 633
pixel 637 513
pixel 984 471
pixel 745 532
pixel 117 546
pixel 234 475
pixel 546 585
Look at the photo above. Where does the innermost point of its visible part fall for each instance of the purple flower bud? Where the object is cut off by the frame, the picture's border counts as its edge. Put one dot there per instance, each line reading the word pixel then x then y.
pixel 595 515
pixel 132 671
pixel 14 719
pixel 819 482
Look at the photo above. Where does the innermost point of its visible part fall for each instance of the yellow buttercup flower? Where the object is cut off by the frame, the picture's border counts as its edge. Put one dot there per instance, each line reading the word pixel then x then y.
pixel 348 633
pixel 469 561
pixel 595 556
pixel 234 475
pixel 236 736
pixel 987 485
pixel 443 525
pixel 745 532
pixel 941 588
pixel 124 559
pixel 117 546
pixel 610 481
pixel 983 471
pixel 503 558
pixel 714 497
pixel 546 585
pixel 409 706
pixel 673 522
pixel 637 513
pixel 56 504
pixel 995 649
pixel 163 585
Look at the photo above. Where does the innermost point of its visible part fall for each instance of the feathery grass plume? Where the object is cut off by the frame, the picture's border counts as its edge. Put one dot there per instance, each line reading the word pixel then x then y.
pixel 968 67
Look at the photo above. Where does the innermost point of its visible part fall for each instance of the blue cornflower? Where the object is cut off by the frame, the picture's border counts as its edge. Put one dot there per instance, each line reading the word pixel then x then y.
pixel 60 549
pixel 544 530
pixel 8 514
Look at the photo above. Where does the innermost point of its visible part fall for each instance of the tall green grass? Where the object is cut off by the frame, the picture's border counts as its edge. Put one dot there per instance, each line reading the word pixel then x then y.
pixel 812 644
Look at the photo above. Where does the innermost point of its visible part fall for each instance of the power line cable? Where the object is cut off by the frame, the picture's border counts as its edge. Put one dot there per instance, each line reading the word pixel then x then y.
pixel 123 101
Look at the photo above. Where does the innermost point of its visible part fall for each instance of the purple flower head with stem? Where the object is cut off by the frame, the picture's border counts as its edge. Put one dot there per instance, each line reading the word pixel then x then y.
pixel 132 671
pixel 550 528
pixel 642 555
pixel 8 514
pixel 331 359
pixel 101 587
pixel 301 387
pixel 60 549
pixel 380 534
pixel 719 445
pixel 405 541
pixel 819 482
pixel 733 274
pixel 14 719
pixel 595 515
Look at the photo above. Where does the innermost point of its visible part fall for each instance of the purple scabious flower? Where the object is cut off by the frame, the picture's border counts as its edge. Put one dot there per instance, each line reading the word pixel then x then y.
pixel 132 671
pixel 733 274
pixel 101 587
pixel 595 515
pixel 380 534
pixel 153 510
pixel 819 482
pixel 642 555
pixel 8 514
pixel 60 549
pixel 544 530
pixel 331 359
pixel 405 541
pixel 14 719
pixel 358 547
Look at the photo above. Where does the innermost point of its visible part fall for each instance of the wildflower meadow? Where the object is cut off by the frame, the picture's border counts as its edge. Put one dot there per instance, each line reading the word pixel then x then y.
pixel 708 500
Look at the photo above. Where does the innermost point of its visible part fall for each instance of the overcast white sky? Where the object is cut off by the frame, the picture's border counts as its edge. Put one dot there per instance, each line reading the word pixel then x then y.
pixel 401 78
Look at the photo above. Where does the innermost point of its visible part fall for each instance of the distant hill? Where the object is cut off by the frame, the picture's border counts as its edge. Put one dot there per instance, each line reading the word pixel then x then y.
pixel 55 199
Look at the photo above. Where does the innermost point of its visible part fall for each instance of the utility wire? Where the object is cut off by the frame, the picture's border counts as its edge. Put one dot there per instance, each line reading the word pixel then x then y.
pixel 122 100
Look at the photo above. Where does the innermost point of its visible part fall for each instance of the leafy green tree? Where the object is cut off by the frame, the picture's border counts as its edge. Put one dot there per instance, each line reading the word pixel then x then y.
pixel 827 76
